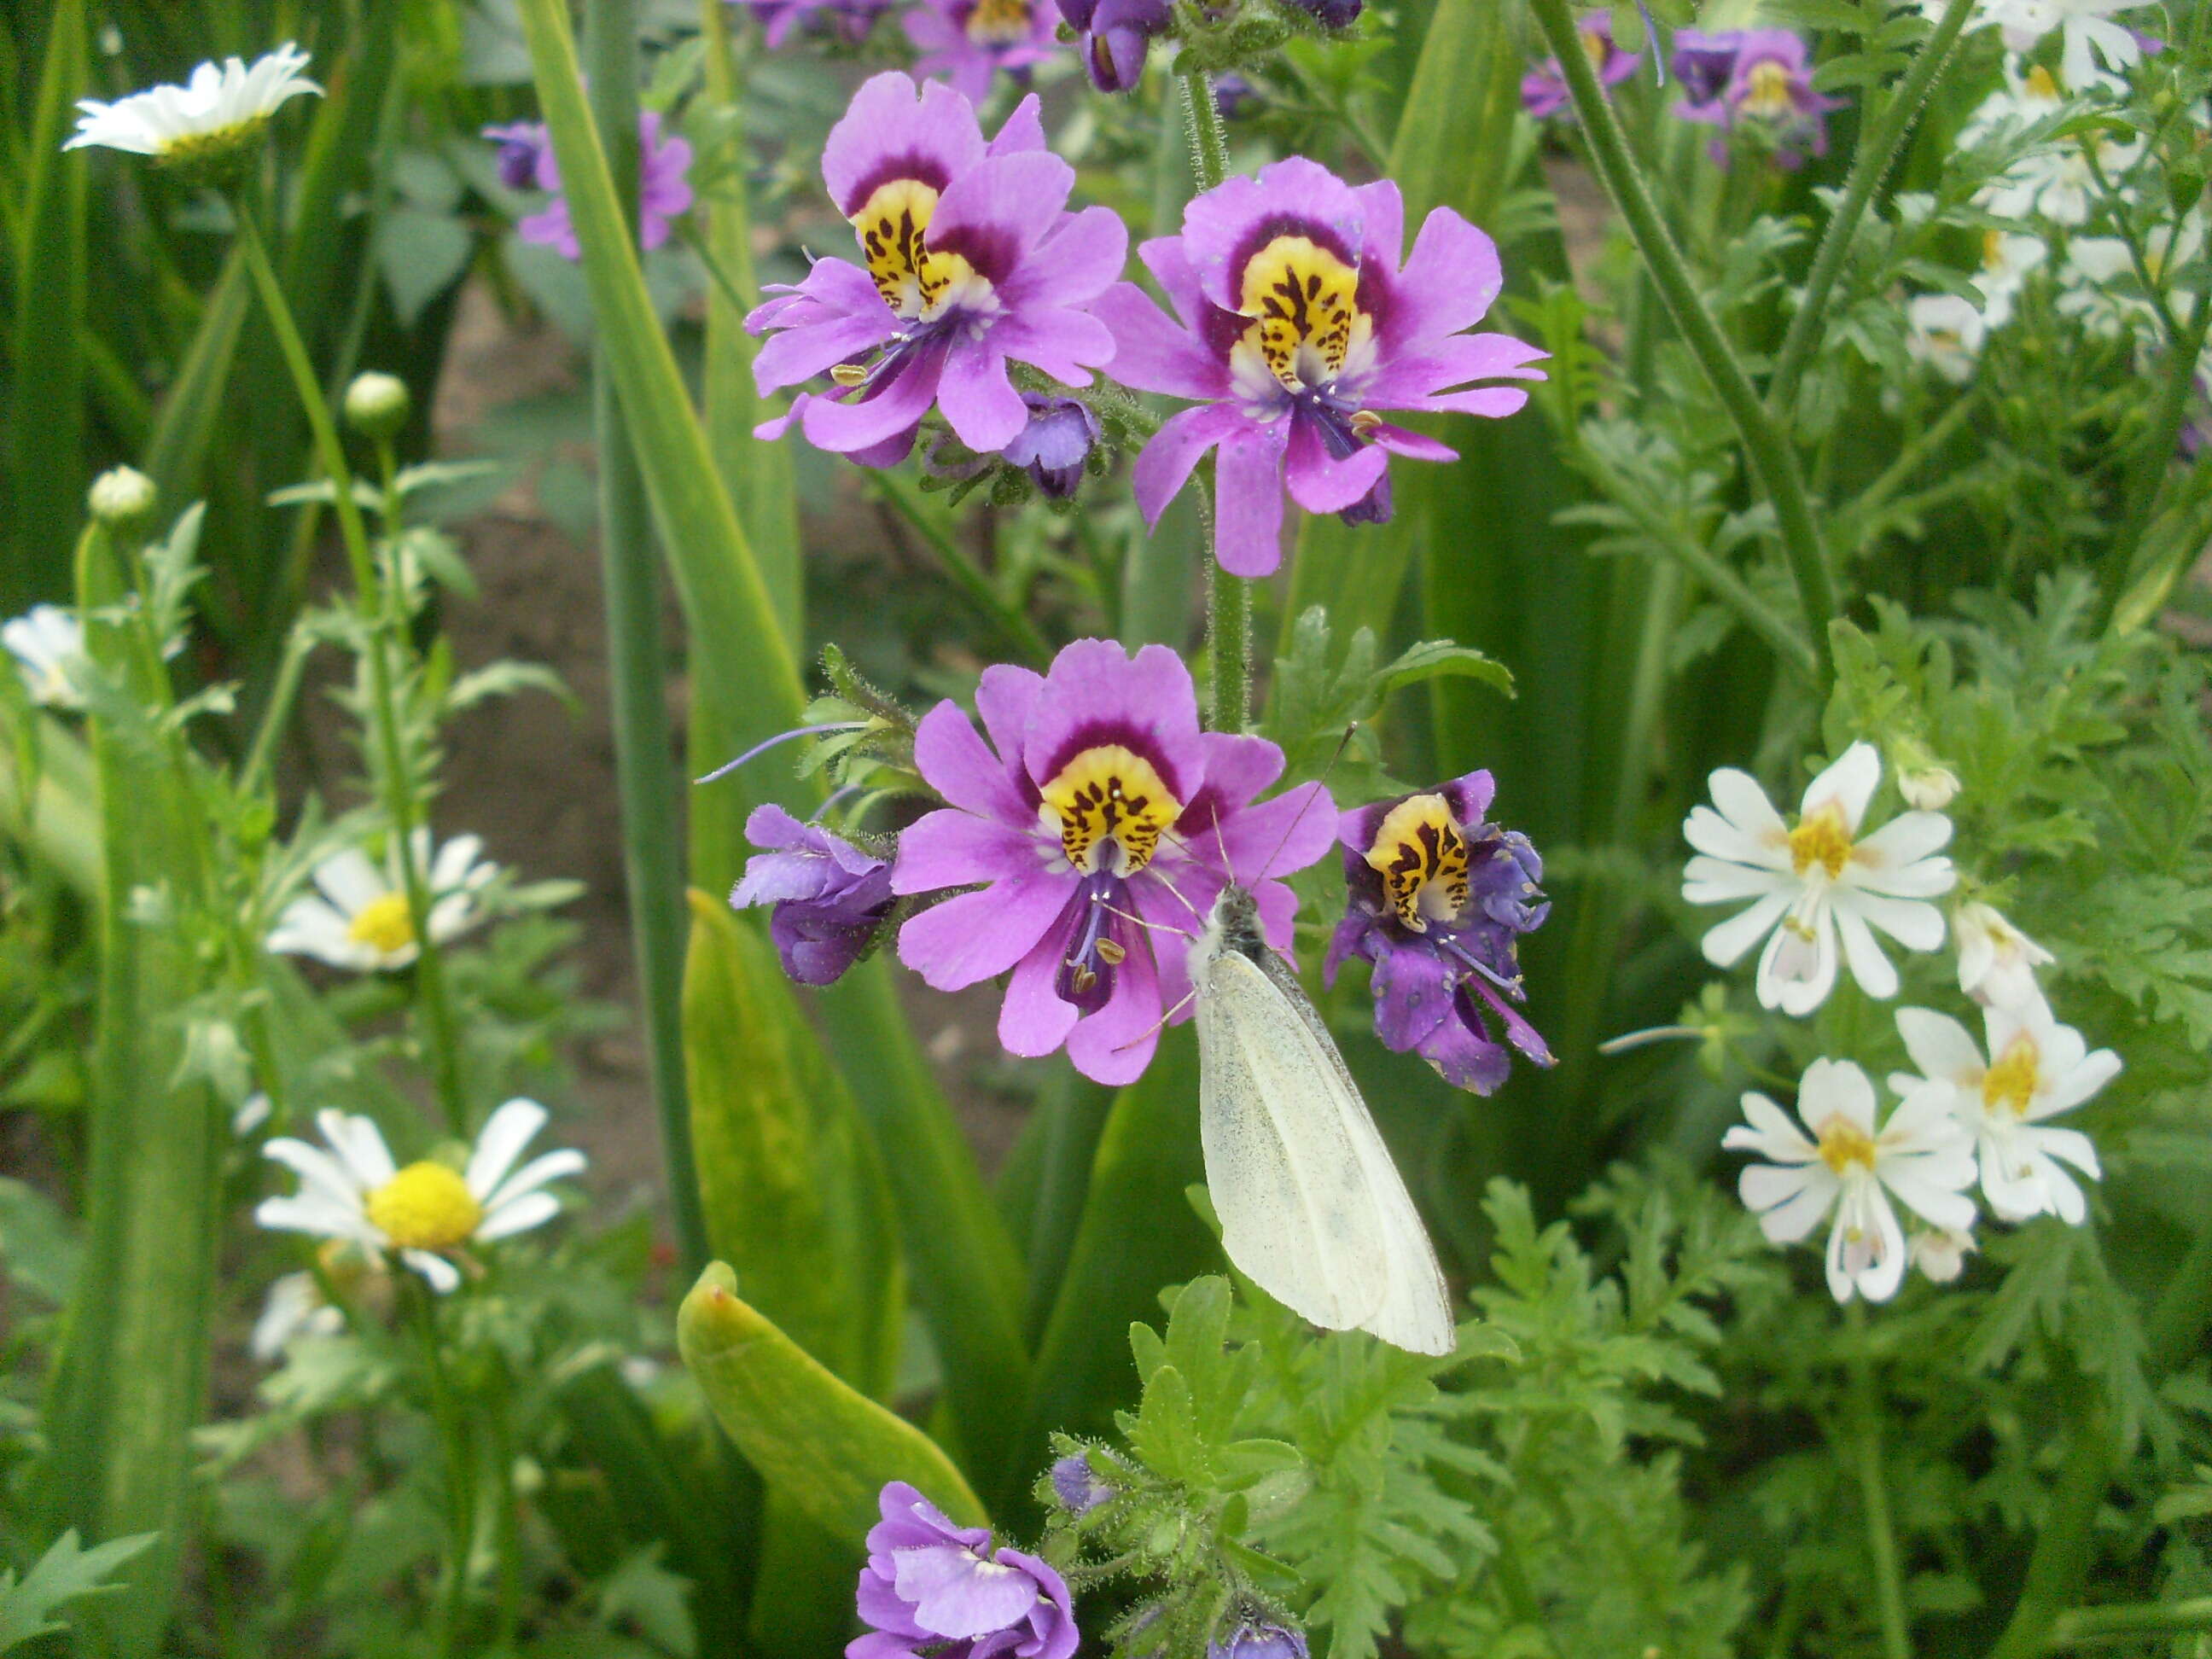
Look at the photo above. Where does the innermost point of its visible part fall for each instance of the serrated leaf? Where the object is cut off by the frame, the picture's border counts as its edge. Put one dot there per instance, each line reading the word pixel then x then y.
pixel 63 1574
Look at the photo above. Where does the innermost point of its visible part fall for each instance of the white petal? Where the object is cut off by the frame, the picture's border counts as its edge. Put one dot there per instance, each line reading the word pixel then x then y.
pixel 1849 783
pixel 308 1213
pixel 292 1299
pixel 451 916
pixel 452 865
pixel 443 1277
pixel 1745 805
pixel 318 1172
pixel 1941 1046
pixel 350 881
pixel 1868 966
pixel 2068 1145
pixel 1931 1194
pixel 2074 1086
pixel 1924 878
pixel 1770 1132
pixel 551 1166
pixel 1835 1088
pixel 310 928
pixel 1707 880
pixel 360 1144
pixel 500 1141
pixel 1906 839
pixel 1916 926
pixel 1788 1202
pixel 530 1210
pixel 1879 1280
pixel 1795 974
pixel 1723 944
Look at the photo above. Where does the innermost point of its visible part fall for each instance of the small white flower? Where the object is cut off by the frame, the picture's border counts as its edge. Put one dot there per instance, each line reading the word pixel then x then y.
pixel 2053 180
pixel 2038 1068
pixel 2007 259
pixel 426 1211
pixel 361 920
pixel 253 1112
pixel 217 110
pixel 1996 961
pixel 1922 1156
pixel 2087 29
pixel 44 641
pixel 2101 285
pixel 1945 332
pixel 1940 1253
pixel 1815 879
pixel 294 1309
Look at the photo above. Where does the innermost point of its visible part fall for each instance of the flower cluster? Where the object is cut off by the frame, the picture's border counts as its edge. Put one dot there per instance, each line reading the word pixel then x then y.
pixel 932 1587
pixel 663 184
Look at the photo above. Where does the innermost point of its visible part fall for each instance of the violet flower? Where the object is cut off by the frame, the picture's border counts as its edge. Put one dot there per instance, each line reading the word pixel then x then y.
pixel 1116 35
pixel 1438 901
pixel 1768 91
pixel 1101 824
pixel 966 43
pixel 1232 94
pixel 829 898
pixel 1703 64
pixel 1060 435
pixel 849 19
pixel 1077 1487
pixel 970 261
pixel 1296 324
pixel 1332 13
pixel 663 191
pixel 1543 88
pixel 1259 1638
pixel 932 1587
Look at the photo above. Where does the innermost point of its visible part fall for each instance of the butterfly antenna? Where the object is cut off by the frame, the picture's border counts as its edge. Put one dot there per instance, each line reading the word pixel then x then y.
pixel 1149 926
pixel 1314 791
pixel 1158 1026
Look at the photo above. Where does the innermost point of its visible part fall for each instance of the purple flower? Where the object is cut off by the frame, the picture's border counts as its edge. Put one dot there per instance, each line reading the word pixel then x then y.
pixel 1102 824
pixel 932 1587
pixel 1702 64
pixel 1297 325
pixel 1259 1638
pixel 1332 13
pixel 663 191
pixel 1076 1485
pixel 1115 36
pixel 829 896
pixel 1231 94
pixel 970 261
pixel 1059 438
pixel 1543 88
pixel 849 20
pixel 520 145
pixel 1438 901
pixel 1768 90
pixel 966 42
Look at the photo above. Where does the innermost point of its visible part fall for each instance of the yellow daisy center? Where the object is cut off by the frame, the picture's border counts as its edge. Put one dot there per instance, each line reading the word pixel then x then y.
pixel 1109 796
pixel 384 924
pixel 2010 1084
pixel 1768 94
pixel 1423 859
pixel 1306 300
pixel 193 149
pixel 1821 837
pixel 426 1206
pixel 2041 85
pixel 1000 22
pixel 1844 1147
pixel 915 281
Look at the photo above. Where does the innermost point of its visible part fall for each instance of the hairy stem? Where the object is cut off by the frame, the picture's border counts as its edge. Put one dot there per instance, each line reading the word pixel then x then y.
pixel 1773 463
pixel 1878 151
pixel 1873 1490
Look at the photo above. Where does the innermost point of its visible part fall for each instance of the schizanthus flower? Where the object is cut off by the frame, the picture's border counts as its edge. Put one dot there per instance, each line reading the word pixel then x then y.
pixel 1543 88
pixel 361 920
pixel 208 120
pixel 971 262
pixel 1839 1160
pixel 849 19
pixel 1296 326
pixel 2036 1068
pixel 966 43
pixel 1053 447
pixel 1996 961
pixel 428 1211
pixel 664 188
pixel 1438 901
pixel 829 896
pixel 1258 1637
pixel 933 1588
pixel 1815 879
pixel 1115 36
pixel 1768 91
pixel 44 641
pixel 1096 822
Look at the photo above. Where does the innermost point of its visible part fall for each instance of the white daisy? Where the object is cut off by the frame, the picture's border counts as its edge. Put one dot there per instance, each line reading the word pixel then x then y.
pixel 1815 879
pixel 1922 1156
pixel 2007 259
pixel 361 920
pixel 2037 1069
pixel 44 641
pixel 215 112
pixel 1996 961
pixel 1940 1253
pixel 1944 331
pixel 426 1211
pixel 294 1309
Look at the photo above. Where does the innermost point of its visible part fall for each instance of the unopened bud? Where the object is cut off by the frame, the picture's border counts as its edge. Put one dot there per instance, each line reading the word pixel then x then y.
pixel 1926 783
pixel 122 495
pixel 376 403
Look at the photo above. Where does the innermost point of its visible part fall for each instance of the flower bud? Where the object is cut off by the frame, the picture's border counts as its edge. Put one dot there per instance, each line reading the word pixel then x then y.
pixel 122 495
pixel 376 403
pixel 1940 1254
pixel 1076 1485
pixel 1259 1638
pixel 1924 781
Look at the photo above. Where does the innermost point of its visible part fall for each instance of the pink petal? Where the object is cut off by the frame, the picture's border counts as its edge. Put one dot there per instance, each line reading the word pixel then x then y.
pixel 1319 482
pixel 1066 345
pixel 952 849
pixel 979 400
pixel 1248 529
pixel 1153 354
pixel 974 936
pixel 1033 1020
pixel 952 759
pixel 1164 465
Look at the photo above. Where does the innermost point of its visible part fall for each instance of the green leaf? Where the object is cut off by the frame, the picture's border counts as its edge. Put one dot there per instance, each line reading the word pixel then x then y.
pixel 420 254
pixel 37 1248
pixel 827 1447
pixel 62 1575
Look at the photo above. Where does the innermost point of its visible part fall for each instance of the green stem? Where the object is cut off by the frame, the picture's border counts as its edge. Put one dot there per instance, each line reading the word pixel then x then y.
pixel 645 758
pixel 2131 1623
pixel 436 1012
pixel 2167 416
pixel 1877 153
pixel 967 576
pixel 458 1465
pixel 277 712
pixel 1873 1490
pixel 1770 456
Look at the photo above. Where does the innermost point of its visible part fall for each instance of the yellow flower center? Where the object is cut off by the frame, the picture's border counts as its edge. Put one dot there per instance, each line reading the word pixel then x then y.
pixel 1821 837
pixel 1000 22
pixel 1768 94
pixel 2040 84
pixel 426 1206
pixel 1595 47
pixel 2011 1082
pixel 1844 1147
pixel 1993 250
pixel 1306 300
pixel 1422 858
pixel 193 149
pixel 383 924
pixel 915 281
pixel 1108 797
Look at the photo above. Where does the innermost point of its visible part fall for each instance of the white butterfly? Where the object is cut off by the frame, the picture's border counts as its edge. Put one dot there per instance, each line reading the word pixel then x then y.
pixel 1311 1207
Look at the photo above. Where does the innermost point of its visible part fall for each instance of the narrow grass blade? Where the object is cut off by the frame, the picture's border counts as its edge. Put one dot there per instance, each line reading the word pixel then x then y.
pixel 191 409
